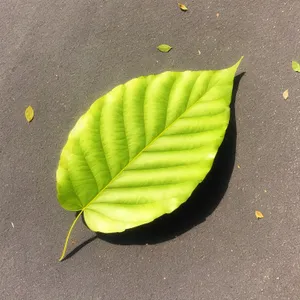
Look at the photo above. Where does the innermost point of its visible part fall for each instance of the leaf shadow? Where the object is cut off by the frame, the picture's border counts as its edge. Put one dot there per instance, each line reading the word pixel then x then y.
pixel 203 201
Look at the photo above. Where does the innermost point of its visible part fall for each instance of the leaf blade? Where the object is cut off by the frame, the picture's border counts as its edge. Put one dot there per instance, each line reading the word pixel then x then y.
pixel 295 66
pixel 285 94
pixel 29 114
pixel 259 214
pixel 164 48
pixel 117 188
pixel 182 7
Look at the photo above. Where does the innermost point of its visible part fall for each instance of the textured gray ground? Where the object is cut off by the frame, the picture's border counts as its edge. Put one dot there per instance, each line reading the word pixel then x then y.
pixel 59 56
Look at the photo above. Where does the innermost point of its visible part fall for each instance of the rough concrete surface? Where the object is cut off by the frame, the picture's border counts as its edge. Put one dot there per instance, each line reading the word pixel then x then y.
pixel 59 56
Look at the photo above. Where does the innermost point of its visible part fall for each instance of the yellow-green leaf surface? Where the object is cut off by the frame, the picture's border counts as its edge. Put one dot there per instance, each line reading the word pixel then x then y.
pixel 29 114
pixel 164 48
pixel 141 150
pixel 182 7
pixel 296 66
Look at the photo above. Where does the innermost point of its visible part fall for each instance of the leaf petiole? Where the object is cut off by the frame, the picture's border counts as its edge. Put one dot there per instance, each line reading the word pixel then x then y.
pixel 68 236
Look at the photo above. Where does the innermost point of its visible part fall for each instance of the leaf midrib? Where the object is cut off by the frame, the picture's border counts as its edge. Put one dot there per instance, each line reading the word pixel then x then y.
pixel 141 152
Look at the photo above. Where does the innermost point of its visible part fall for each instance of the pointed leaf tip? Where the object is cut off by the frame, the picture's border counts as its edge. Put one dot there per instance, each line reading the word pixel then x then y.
pixel 236 65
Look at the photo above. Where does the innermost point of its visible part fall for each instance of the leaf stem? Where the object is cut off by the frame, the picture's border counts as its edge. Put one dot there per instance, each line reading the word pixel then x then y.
pixel 68 236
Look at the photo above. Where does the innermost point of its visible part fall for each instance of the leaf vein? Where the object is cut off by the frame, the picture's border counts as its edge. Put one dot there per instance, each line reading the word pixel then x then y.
pixel 124 125
pixel 88 165
pixel 170 92
pixel 144 149
pixel 103 148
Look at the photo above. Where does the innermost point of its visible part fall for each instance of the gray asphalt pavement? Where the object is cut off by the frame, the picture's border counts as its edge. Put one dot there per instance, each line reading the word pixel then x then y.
pixel 59 56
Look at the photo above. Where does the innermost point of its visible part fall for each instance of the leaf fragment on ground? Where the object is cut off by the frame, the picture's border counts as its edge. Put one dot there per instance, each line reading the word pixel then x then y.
pixel 29 114
pixel 296 66
pixel 182 7
pixel 285 94
pixel 164 48
pixel 258 214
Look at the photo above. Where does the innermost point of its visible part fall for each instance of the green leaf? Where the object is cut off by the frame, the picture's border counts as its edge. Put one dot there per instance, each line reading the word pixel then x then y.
pixel 141 150
pixel 296 66
pixel 164 48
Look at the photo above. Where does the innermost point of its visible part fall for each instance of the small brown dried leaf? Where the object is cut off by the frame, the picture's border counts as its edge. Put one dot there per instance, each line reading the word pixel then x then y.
pixel 29 113
pixel 285 94
pixel 258 214
pixel 182 7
